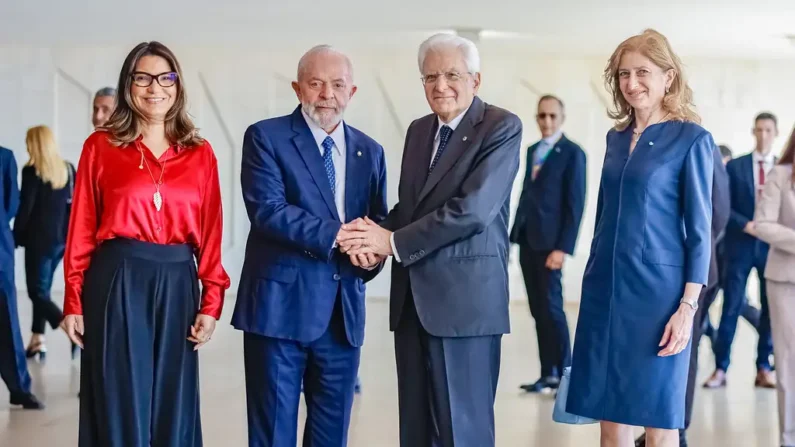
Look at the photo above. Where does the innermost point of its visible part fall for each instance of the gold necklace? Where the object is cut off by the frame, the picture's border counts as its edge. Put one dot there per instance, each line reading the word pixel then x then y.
pixel 157 198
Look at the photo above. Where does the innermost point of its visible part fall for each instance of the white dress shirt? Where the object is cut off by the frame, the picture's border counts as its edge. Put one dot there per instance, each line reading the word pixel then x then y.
pixel 452 125
pixel 337 156
pixel 769 161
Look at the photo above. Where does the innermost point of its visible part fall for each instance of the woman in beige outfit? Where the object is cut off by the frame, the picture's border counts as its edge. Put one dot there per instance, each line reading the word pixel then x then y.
pixel 775 224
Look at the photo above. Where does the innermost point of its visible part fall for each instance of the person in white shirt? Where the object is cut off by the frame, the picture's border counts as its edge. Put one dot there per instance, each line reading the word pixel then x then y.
pixel 744 251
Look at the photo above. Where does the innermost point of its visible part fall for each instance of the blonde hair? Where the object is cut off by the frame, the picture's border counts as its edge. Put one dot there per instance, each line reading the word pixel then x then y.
pixel 45 157
pixel 678 100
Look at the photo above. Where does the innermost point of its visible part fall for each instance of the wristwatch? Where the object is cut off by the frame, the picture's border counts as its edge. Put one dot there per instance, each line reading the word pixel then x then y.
pixel 693 303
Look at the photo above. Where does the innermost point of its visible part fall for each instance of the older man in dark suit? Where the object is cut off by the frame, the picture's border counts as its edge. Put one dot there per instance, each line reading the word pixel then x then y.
pixel 448 235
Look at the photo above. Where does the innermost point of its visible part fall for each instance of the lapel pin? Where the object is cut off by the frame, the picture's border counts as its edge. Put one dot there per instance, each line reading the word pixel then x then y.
pixel 358 153
pixel 465 138
pixel 557 149
pixel 651 143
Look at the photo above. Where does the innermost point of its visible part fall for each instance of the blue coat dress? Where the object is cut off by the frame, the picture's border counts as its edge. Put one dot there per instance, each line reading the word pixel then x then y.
pixel 652 236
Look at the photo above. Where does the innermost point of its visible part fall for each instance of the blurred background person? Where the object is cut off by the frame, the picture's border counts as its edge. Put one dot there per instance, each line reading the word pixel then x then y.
pixel 104 105
pixel 774 222
pixel 40 227
pixel 546 227
pixel 13 367
pixel 745 252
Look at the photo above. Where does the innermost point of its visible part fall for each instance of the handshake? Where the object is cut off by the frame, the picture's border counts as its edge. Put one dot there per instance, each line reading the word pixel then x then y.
pixel 365 242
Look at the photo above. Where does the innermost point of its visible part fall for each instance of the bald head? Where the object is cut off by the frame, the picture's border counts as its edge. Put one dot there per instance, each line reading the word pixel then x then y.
pixel 324 85
pixel 324 55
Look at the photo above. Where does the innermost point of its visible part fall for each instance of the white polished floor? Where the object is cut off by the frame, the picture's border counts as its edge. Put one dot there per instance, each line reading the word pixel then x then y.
pixel 738 416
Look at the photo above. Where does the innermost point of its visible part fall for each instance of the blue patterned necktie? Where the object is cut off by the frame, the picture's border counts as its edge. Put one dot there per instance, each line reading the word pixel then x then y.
pixel 444 136
pixel 328 163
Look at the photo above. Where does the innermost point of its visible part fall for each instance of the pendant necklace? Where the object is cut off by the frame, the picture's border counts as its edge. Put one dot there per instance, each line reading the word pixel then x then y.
pixel 157 198
pixel 637 133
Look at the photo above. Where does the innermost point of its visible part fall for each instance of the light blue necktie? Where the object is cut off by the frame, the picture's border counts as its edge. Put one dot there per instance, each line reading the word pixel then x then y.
pixel 444 136
pixel 328 163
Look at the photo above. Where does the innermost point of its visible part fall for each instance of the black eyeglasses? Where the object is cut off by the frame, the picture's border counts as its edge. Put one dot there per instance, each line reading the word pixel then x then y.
pixel 167 79
pixel 544 116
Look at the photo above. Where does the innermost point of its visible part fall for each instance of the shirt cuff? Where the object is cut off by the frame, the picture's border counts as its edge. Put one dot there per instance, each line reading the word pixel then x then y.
pixel 394 249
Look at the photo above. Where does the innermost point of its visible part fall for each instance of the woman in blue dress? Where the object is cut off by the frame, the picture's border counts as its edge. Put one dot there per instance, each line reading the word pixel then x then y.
pixel 650 252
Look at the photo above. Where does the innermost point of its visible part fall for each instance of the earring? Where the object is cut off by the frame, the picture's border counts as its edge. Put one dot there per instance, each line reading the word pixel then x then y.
pixel 667 89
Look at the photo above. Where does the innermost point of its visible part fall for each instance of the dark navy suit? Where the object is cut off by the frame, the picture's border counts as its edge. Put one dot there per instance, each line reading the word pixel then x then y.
pixel 13 368
pixel 743 253
pixel 547 219
pixel 300 301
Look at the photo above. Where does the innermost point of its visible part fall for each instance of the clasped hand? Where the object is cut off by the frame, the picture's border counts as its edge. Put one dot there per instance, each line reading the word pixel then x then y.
pixel 365 242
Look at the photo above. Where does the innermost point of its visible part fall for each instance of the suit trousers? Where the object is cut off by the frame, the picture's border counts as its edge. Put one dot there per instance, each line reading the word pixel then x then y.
pixel 275 370
pixel 446 385
pixel 545 295
pixel 734 300
pixel 13 365
pixel 40 266
pixel 782 320
pixel 706 299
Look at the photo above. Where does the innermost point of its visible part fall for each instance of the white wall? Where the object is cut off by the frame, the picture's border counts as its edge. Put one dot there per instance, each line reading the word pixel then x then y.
pixel 230 88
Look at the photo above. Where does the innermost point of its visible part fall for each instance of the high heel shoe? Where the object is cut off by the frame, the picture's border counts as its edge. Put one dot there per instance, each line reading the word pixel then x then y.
pixel 38 349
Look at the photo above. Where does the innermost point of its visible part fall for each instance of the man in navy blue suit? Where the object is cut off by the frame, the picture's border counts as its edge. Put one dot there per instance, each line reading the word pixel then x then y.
pixel 743 252
pixel 301 301
pixel 545 228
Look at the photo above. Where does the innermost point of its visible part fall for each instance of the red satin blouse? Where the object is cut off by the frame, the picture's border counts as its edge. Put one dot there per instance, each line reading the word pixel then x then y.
pixel 114 198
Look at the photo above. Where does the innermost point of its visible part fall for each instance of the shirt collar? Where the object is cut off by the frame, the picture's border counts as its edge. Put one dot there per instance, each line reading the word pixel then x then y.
pixel 338 135
pixel 552 139
pixel 768 159
pixel 452 124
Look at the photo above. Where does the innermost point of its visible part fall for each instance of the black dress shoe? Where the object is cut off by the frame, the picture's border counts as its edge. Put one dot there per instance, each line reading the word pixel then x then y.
pixel 544 383
pixel 28 401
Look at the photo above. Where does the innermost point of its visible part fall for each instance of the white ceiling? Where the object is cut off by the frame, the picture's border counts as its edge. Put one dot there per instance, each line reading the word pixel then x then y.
pixel 720 27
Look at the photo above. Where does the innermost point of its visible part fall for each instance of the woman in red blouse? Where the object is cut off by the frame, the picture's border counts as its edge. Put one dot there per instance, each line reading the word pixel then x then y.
pixel 146 212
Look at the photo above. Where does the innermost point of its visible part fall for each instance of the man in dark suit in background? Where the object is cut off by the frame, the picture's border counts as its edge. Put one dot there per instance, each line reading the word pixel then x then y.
pixel 744 252
pixel 448 234
pixel 721 209
pixel 301 301
pixel 546 227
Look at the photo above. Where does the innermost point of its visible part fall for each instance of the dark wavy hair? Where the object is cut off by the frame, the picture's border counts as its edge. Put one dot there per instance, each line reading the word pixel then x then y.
pixel 126 121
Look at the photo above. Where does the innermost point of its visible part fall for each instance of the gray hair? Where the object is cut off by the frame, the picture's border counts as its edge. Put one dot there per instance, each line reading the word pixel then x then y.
pixel 105 91
pixel 320 49
pixel 444 41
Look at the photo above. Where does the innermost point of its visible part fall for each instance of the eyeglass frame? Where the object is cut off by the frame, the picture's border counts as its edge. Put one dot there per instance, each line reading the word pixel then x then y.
pixel 154 77
pixel 446 75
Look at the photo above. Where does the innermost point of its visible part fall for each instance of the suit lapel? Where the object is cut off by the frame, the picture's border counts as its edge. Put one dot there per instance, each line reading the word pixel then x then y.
pixel 421 148
pixel 749 178
pixel 307 147
pixel 357 176
pixel 459 142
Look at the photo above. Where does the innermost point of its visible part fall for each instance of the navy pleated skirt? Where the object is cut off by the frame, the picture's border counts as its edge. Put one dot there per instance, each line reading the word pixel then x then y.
pixel 139 375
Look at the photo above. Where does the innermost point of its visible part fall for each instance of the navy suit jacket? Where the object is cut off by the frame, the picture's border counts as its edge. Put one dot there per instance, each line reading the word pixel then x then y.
pixel 292 273
pixel 743 203
pixel 451 225
pixel 9 194
pixel 550 208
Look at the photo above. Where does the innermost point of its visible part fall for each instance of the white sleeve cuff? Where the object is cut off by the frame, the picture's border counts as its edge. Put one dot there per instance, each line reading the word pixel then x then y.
pixel 394 249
